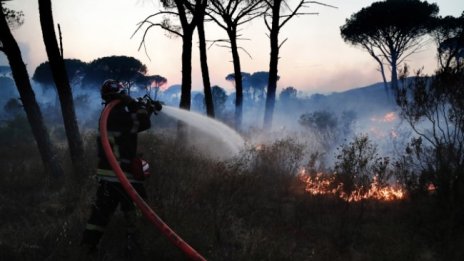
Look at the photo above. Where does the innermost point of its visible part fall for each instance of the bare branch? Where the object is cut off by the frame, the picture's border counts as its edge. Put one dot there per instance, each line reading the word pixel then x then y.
pixel 146 20
pixel 280 45
pixel 251 17
pixel 295 11
pixel 243 49
pixel 319 3
pixel 61 40
pixel 218 41
pixel 217 21
pixel 146 51
pixel 302 4
pixel 223 46
pixel 313 13
pixel 267 23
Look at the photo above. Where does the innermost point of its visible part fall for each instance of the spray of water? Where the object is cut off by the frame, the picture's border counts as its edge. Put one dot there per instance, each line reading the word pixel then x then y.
pixel 213 128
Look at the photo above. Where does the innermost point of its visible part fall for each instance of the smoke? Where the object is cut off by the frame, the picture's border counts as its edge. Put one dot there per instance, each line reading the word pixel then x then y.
pixel 3 59
pixel 371 109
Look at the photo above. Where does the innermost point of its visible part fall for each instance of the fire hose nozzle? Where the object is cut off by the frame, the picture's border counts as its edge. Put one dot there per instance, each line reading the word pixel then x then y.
pixel 154 105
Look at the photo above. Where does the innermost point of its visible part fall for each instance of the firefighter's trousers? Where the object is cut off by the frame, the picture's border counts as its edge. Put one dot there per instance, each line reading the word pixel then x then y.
pixel 109 195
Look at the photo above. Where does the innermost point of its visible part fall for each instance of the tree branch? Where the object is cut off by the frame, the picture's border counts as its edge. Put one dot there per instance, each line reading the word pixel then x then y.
pixel 61 40
pixel 280 45
pixel 146 20
pixel 243 49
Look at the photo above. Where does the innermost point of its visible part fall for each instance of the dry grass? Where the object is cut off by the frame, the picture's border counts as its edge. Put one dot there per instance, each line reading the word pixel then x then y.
pixel 248 208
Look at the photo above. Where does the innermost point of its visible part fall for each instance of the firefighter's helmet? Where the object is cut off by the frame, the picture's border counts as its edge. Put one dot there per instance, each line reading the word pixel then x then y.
pixel 110 89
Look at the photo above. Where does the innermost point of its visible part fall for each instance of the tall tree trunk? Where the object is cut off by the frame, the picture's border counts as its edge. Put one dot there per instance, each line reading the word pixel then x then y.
pixel 204 68
pixel 31 107
pixel 394 73
pixel 63 87
pixel 238 81
pixel 186 69
pixel 273 65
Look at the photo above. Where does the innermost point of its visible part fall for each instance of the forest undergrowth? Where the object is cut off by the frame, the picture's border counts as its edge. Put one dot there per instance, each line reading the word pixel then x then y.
pixel 251 207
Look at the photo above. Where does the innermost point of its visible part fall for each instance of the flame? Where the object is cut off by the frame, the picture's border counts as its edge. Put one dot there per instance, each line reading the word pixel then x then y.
pixel 388 117
pixel 325 184
pixel 431 188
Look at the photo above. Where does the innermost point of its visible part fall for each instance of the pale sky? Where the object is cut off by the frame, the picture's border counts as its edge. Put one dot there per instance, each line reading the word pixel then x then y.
pixel 313 59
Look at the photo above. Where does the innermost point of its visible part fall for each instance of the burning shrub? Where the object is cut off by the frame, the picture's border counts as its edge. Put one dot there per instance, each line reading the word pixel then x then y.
pixel 359 165
pixel 360 173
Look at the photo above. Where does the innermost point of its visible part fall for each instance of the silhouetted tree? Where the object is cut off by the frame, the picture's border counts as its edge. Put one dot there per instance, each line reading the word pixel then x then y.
pixel 259 84
pixel 229 15
pixel 287 95
pixel 75 69
pixel 185 12
pixel 150 82
pixel 58 68
pixel 449 36
pixel 246 84
pixel 323 124
pixel 120 68
pixel 156 82
pixel 434 108
pixel 13 18
pixel 279 13
pixel 198 102
pixel 219 99
pixel 390 31
pixel 172 94
pixel 201 13
pixel 10 47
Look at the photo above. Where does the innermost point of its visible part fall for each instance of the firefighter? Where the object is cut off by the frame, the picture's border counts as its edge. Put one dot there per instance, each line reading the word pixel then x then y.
pixel 125 121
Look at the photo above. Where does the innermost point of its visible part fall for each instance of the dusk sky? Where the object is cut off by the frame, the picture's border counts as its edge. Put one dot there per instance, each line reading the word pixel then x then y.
pixel 313 59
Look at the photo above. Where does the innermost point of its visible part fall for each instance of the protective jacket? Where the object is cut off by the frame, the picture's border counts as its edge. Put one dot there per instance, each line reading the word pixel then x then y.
pixel 124 122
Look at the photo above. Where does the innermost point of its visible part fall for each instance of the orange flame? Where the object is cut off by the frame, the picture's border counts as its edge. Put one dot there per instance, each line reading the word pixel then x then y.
pixel 324 184
pixel 388 117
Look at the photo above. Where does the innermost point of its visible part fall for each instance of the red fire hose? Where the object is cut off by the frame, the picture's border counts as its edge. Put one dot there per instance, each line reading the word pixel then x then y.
pixel 139 202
